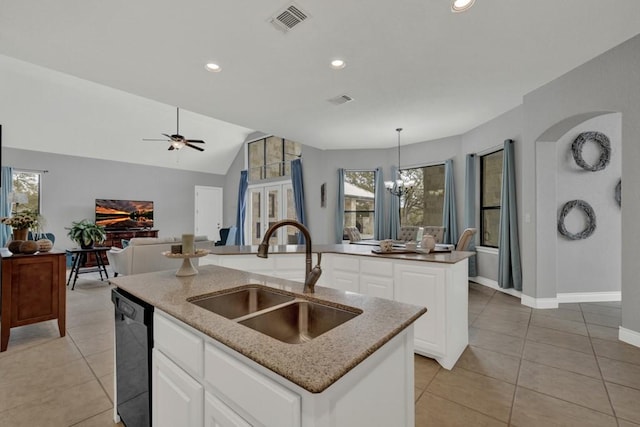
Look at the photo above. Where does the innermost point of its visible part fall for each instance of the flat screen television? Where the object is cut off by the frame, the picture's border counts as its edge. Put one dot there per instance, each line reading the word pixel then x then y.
pixel 124 214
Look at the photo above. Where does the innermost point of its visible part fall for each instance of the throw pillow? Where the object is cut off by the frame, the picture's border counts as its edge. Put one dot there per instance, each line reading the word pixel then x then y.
pixel 124 243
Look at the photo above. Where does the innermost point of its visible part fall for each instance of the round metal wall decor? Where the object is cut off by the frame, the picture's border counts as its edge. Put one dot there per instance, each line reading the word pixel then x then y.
pixel 605 150
pixel 588 211
pixel 619 192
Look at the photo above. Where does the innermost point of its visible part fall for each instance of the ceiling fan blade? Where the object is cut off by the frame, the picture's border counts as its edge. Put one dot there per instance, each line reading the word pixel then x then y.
pixel 196 141
pixel 168 136
pixel 147 139
pixel 194 147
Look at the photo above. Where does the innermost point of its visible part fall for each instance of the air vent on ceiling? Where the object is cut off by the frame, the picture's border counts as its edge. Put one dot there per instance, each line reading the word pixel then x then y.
pixel 340 99
pixel 288 18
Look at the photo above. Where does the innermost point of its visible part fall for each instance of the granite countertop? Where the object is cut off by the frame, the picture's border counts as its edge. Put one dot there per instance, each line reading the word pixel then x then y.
pixel 313 365
pixel 347 249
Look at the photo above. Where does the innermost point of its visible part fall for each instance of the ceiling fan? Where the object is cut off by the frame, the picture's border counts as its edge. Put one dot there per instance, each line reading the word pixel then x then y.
pixel 178 141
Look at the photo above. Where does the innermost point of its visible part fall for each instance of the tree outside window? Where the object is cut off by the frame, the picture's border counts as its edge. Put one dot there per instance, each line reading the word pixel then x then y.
pixel 359 201
pixel 490 198
pixel 27 183
pixel 423 203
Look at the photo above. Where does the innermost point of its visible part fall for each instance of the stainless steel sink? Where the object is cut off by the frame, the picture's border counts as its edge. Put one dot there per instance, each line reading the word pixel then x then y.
pixel 298 322
pixel 241 302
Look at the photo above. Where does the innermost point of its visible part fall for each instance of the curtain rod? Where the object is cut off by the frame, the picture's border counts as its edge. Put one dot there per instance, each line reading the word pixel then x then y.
pixel 31 170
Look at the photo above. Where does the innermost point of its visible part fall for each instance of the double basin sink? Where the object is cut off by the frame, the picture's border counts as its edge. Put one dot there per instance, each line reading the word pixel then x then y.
pixel 278 314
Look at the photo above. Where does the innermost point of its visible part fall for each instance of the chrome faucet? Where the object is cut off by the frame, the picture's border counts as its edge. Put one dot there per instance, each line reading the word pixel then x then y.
pixel 311 276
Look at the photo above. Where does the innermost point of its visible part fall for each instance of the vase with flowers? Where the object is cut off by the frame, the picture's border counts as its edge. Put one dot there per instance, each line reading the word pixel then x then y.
pixel 21 222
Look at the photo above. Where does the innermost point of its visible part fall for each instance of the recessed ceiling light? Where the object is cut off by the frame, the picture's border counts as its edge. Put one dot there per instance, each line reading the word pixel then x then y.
pixel 338 64
pixel 213 67
pixel 461 5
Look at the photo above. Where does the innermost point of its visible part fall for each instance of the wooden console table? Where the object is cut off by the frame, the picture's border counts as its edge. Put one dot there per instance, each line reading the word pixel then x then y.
pixel 33 290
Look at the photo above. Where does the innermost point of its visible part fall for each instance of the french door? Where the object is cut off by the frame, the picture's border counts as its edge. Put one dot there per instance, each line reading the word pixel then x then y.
pixel 268 204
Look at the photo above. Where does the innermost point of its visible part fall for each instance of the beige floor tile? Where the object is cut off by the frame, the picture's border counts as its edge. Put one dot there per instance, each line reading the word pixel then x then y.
pixel 476 307
pixel 505 344
pixel 618 372
pixel 417 392
pixel 625 402
pixel 603 332
pixel 532 409
pixel 102 315
pixel 96 344
pixel 603 320
pixel 104 419
pixel 83 332
pixel 625 423
pixel 561 313
pixel 565 385
pixel 560 339
pixel 432 410
pixel 487 395
pixel 489 363
pixel 516 329
pixel 25 337
pixel 500 304
pixel 60 408
pixel 101 363
pixel 424 371
pixel 471 318
pixel 559 324
pixel 515 316
pixel 599 308
pixel 617 350
pixel 29 387
pixel 481 289
pixel 107 382
pixel 561 358
pixel 570 306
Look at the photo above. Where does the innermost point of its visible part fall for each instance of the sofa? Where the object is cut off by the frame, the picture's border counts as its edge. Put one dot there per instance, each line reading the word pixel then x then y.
pixel 144 255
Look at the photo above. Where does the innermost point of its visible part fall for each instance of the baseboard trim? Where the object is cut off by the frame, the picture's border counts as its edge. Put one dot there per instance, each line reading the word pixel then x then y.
pixel 589 297
pixel 629 336
pixel 494 285
pixel 539 302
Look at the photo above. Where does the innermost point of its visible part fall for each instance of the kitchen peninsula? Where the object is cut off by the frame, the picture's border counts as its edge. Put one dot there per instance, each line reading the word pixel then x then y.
pixel 438 281
pixel 210 370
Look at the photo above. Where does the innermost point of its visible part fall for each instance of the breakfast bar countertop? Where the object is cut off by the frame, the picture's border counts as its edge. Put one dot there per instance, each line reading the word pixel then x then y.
pixel 313 365
pixel 347 249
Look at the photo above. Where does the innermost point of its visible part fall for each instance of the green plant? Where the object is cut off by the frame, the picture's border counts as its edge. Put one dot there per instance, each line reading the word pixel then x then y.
pixel 85 233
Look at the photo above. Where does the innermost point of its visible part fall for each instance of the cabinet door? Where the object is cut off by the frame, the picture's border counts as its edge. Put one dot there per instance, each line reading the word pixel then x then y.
pixel 217 414
pixel 425 286
pixel 177 398
pixel 376 286
pixel 346 281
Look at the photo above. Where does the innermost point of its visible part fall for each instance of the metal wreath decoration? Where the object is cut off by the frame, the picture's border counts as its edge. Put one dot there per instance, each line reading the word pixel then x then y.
pixel 605 150
pixel 618 194
pixel 588 211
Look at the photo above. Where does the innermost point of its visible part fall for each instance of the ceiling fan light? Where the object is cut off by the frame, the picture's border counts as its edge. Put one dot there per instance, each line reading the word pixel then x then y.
pixel 338 64
pixel 461 5
pixel 213 67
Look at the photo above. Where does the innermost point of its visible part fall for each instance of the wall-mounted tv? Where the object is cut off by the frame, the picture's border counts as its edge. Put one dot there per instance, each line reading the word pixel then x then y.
pixel 124 214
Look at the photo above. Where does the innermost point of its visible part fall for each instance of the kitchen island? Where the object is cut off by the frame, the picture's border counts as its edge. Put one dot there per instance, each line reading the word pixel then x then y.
pixel 438 281
pixel 208 369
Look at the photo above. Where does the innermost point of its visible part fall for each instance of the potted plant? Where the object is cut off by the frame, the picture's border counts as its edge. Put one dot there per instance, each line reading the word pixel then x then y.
pixel 21 222
pixel 86 233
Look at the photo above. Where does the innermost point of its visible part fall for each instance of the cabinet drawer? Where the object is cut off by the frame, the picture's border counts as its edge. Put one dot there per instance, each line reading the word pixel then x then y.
pixel 260 397
pixel 183 347
pixel 346 263
pixel 377 267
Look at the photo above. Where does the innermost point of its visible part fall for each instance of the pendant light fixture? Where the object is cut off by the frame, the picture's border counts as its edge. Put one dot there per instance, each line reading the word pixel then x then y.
pixel 399 187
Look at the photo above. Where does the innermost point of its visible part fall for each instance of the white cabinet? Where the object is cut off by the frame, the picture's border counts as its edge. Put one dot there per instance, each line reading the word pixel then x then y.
pixel 217 414
pixel 345 274
pixel 442 332
pixel 177 397
pixel 376 278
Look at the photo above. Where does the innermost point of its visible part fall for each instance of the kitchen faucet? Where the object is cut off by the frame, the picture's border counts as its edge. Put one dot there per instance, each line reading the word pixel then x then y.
pixel 311 276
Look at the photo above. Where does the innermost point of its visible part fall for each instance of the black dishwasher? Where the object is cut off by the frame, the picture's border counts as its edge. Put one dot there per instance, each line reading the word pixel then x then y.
pixel 134 341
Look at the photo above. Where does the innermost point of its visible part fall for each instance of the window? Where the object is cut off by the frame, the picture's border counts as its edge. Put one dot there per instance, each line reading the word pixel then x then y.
pixel 490 188
pixel 26 191
pixel 359 201
pixel 271 158
pixel 423 203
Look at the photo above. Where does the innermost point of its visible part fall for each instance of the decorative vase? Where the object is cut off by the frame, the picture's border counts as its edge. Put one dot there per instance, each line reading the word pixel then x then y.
pixel 14 246
pixel 29 247
pixel 87 246
pixel 20 233
pixel 428 243
pixel 44 245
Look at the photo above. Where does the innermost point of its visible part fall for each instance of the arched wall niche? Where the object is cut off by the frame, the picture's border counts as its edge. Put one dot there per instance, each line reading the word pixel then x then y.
pixel 583 269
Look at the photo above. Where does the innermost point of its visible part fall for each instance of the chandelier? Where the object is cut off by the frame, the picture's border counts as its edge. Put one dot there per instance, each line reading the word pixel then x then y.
pixel 399 187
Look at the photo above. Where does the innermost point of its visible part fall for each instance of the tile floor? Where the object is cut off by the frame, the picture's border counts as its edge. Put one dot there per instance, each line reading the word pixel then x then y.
pixel 523 367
